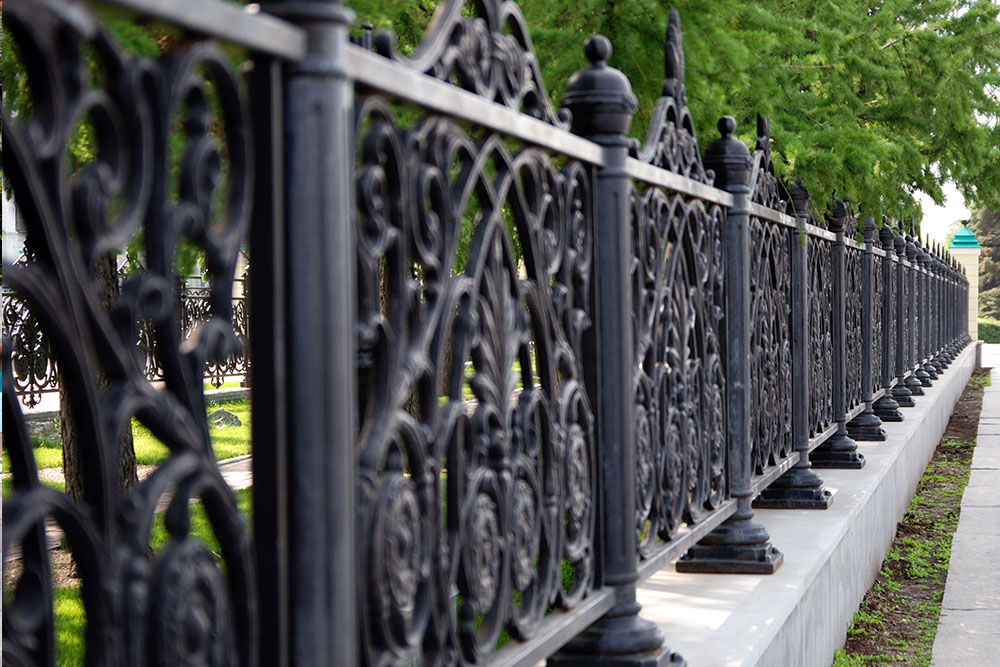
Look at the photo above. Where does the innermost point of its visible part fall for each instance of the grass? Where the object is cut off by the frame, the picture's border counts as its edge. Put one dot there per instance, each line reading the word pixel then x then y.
pixel 68 611
pixel 8 486
pixel 897 621
pixel 231 384
pixel 227 442
pixel 200 528
pixel 70 621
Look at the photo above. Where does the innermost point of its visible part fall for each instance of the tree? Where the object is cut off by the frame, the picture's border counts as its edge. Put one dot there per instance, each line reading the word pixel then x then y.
pixel 874 99
pixel 986 225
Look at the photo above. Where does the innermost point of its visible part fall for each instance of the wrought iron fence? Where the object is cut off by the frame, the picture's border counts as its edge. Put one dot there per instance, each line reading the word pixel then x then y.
pixel 35 370
pixel 506 361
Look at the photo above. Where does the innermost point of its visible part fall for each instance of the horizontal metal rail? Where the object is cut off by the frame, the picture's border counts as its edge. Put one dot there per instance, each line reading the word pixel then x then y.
pixel 227 22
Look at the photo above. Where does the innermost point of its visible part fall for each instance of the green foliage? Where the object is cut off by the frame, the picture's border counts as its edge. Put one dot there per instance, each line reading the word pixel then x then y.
pixel 989 330
pixel 876 101
pixel 986 225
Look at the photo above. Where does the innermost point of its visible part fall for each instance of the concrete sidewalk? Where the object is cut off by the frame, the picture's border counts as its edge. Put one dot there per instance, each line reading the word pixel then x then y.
pixel 969 630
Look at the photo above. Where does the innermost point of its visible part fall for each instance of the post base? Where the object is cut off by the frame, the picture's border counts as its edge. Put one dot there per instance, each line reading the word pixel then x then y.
pixel 866 426
pixel 915 386
pixel 738 546
pixel 798 489
pixel 620 639
pixel 903 396
pixel 931 370
pixel 840 451
pixel 887 409
pixel 923 377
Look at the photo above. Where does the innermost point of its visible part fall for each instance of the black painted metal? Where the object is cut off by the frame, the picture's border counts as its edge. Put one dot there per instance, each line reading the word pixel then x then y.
pixel 499 365
pixel 35 369
pixel 901 392
pixel 841 451
pixel 887 408
pixel 174 606
pixel 800 487
pixel 867 425
pixel 740 544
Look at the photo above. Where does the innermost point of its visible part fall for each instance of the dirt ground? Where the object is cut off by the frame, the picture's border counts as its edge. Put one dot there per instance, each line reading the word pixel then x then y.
pixel 898 617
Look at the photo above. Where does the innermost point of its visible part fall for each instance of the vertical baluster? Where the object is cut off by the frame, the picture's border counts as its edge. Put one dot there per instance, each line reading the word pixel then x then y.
pixel 867 425
pixel 602 104
pixel 800 487
pixel 840 451
pixel 886 407
pixel 740 544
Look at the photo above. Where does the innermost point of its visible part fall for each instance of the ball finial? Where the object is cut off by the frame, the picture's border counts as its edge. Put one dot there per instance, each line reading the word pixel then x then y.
pixel 598 50
pixel 727 125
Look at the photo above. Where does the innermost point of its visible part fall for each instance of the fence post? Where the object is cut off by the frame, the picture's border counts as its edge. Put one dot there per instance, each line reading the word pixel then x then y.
pixel 920 273
pixel 840 451
pixel 601 101
pixel 939 362
pixel 800 487
pixel 902 393
pixel 867 425
pixel 913 381
pixel 313 364
pixel 886 407
pixel 739 544
pixel 926 328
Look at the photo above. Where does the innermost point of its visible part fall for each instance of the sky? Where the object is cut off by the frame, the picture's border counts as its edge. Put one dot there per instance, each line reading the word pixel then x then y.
pixel 938 218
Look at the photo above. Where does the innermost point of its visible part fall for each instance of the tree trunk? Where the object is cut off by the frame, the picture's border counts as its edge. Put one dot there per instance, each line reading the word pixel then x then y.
pixel 107 276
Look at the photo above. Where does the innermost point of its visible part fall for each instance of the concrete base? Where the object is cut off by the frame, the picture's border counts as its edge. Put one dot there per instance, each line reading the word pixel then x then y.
pixel 799 615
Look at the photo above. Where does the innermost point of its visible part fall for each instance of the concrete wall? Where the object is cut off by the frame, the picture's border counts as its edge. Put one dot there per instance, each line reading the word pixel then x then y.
pixel 798 616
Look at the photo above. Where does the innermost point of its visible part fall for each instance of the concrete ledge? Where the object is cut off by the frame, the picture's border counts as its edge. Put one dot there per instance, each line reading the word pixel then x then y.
pixel 799 615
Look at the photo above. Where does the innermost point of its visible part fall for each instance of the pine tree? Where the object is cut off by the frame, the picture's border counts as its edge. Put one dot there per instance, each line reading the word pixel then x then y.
pixel 986 225
pixel 876 100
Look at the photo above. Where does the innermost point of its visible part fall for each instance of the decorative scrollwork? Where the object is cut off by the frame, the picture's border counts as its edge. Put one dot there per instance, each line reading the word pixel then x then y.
pixel 820 257
pixel 489 54
pixel 474 269
pixel 853 330
pixel 770 343
pixel 33 366
pixel 879 314
pixel 680 386
pixel 179 606
pixel 670 139
pixel 765 188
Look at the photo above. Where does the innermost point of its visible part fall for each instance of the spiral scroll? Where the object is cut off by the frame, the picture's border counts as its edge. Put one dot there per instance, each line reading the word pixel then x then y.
pixel 176 604
pixel 680 385
pixel 476 448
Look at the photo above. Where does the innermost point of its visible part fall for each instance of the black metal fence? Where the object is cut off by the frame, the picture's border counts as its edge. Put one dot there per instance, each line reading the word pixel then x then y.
pixel 35 371
pixel 506 362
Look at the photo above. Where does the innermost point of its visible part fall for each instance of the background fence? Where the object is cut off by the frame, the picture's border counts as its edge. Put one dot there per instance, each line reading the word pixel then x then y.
pixel 35 370
pixel 506 361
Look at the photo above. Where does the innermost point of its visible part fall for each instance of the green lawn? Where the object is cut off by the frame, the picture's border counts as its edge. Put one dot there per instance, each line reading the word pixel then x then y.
pixel 70 618
pixel 227 442
pixel 8 486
